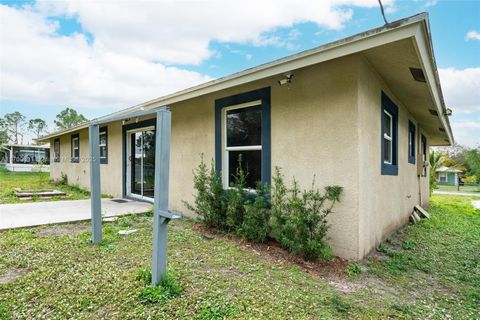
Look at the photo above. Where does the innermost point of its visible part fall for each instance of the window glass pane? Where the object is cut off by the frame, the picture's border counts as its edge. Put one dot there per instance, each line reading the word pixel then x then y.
pixel 244 127
pixel 76 153
pixel 387 151
pixel 411 143
pixel 387 128
pixel 103 138
pixel 103 152
pixel 251 164
pixel 75 142
pixel 148 163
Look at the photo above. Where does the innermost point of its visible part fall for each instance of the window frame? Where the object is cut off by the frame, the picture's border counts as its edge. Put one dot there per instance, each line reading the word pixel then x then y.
pixel 103 130
pixel 389 108
pixel 260 97
pixel 72 149
pixel 56 155
pixel 424 153
pixel 412 138
pixel 388 137
pixel 225 148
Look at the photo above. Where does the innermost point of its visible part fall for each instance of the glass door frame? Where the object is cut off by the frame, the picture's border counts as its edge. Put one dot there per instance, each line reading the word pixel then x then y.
pixel 129 165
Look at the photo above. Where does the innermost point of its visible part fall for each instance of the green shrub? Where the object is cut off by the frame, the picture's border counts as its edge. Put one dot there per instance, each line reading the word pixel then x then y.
pixel 256 218
pixel 210 198
pixel 299 218
pixel 470 179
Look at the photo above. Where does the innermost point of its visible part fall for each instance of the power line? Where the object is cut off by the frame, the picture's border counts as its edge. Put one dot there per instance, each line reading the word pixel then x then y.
pixel 383 12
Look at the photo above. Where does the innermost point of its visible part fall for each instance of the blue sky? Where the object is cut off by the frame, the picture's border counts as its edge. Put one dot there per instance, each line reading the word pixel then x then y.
pixel 98 58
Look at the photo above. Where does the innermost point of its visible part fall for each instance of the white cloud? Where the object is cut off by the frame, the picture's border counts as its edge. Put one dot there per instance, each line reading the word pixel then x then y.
pixel 462 95
pixel 125 63
pixel 431 3
pixel 461 89
pixel 472 35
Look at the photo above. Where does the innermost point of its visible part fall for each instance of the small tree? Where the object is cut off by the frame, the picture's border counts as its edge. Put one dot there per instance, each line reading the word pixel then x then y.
pixel 209 201
pixel 299 217
pixel 37 126
pixel 14 123
pixel 69 118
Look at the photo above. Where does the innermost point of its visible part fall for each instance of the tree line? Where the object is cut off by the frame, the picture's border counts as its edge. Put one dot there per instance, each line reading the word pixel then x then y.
pixel 14 124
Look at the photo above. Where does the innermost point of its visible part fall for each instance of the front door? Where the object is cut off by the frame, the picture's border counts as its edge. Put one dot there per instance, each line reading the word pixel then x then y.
pixel 141 163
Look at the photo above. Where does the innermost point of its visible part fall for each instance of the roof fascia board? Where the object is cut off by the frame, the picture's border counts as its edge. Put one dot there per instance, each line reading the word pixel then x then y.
pixel 422 45
pixel 62 132
pixel 119 117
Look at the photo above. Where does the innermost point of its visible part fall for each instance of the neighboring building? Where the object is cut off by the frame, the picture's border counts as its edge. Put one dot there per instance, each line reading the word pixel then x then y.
pixel 17 157
pixel 359 112
pixel 447 176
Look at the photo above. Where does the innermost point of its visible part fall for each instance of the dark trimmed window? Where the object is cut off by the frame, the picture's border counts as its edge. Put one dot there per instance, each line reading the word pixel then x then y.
pixel 75 147
pixel 424 154
pixel 389 126
pixel 242 137
pixel 56 150
pixel 411 142
pixel 103 144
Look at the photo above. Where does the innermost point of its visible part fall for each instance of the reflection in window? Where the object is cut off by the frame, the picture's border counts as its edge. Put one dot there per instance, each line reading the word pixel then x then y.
pixel 243 127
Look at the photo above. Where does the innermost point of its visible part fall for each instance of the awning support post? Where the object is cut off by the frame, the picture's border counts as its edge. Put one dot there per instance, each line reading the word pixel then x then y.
pixel 161 213
pixel 95 196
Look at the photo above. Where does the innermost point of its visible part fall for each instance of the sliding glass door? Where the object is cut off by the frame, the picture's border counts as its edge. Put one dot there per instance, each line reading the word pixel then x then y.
pixel 141 163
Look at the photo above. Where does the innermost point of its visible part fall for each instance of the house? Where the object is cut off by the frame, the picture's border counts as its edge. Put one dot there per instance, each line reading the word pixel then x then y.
pixel 360 112
pixel 447 176
pixel 24 158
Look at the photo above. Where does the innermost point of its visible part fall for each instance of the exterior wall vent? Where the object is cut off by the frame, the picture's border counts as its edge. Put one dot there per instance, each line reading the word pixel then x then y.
pixel 433 112
pixel 418 74
pixel 441 129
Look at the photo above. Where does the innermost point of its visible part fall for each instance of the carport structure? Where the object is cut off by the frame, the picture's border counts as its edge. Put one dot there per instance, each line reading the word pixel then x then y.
pixel 162 215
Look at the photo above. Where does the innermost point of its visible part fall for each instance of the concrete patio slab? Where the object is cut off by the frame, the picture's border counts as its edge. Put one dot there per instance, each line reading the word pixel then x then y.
pixel 20 215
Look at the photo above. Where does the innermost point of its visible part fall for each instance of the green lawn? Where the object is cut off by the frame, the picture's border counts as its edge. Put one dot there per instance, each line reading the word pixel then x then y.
pixel 429 270
pixel 35 181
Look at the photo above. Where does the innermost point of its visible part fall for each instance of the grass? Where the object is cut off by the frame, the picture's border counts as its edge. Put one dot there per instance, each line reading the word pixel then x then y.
pixel 428 270
pixel 36 181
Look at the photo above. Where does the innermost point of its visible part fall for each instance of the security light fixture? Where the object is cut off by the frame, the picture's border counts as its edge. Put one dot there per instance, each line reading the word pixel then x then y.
pixel 448 112
pixel 286 80
pixel 418 75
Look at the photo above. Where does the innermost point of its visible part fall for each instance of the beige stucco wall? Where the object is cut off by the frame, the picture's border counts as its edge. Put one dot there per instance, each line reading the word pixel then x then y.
pixel 79 173
pixel 385 202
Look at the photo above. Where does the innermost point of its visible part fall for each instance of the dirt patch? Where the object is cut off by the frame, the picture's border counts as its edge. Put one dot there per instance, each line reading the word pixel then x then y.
pixel 333 270
pixel 60 230
pixel 12 275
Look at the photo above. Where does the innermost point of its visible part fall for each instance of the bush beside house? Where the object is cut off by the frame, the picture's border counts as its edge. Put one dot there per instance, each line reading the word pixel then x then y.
pixel 295 218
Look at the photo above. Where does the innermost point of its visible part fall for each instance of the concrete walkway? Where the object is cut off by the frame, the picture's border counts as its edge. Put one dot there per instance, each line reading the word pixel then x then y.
pixel 476 204
pixel 39 213
pixel 454 193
